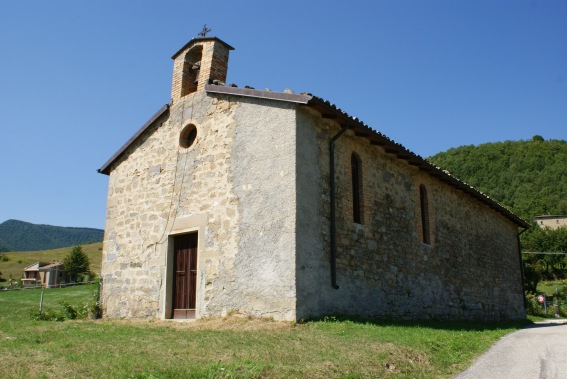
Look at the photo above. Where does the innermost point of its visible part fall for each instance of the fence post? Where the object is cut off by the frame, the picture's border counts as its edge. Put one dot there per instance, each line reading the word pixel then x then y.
pixel 41 302
pixel 556 302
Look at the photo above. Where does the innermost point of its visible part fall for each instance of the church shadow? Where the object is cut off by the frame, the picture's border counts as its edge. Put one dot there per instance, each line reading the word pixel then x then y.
pixel 467 325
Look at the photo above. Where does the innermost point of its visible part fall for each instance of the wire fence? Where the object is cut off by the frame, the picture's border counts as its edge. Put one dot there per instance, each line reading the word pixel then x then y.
pixel 544 253
pixel 19 287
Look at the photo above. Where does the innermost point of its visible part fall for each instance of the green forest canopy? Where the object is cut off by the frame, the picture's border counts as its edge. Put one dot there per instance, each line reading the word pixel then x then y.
pixel 528 177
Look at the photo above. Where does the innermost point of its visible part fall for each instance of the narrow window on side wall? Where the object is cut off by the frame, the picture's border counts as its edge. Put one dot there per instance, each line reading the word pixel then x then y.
pixel 356 168
pixel 424 214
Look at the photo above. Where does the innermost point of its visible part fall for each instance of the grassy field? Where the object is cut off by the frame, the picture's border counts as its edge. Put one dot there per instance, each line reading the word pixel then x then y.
pixel 228 348
pixel 20 259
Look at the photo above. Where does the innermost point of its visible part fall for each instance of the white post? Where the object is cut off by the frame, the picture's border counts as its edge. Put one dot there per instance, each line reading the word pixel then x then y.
pixel 41 302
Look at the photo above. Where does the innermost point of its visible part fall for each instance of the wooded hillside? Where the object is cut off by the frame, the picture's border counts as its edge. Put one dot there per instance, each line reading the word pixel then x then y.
pixel 528 177
pixel 23 236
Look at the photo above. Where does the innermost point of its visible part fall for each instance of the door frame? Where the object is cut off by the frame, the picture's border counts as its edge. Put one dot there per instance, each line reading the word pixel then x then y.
pixel 186 248
pixel 169 282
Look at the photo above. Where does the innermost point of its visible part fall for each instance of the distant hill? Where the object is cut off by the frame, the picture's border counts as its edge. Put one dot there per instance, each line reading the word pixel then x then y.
pixel 23 236
pixel 3 246
pixel 528 177
pixel 13 263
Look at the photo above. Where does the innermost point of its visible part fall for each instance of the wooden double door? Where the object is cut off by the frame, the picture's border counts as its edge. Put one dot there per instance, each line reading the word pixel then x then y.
pixel 185 276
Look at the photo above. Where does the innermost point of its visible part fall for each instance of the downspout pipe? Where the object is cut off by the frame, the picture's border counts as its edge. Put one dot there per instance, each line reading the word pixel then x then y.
pixel 522 268
pixel 334 207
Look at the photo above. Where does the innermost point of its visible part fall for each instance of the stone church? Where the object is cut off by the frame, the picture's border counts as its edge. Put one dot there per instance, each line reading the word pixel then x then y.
pixel 233 200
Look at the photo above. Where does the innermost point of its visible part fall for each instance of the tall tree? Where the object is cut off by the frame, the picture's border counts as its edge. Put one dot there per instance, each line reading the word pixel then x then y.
pixel 76 262
pixel 549 241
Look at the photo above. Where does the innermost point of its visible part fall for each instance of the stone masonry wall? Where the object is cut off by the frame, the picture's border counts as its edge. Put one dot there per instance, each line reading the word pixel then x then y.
pixel 146 197
pixel 217 188
pixel 470 270
pixel 255 187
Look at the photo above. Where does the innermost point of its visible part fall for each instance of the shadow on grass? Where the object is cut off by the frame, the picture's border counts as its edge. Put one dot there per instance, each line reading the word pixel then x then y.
pixel 547 323
pixel 432 324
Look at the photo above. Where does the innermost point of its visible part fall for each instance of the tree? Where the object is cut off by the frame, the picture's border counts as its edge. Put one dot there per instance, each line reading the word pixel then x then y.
pixel 533 271
pixel 527 177
pixel 544 267
pixel 545 239
pixel 75 263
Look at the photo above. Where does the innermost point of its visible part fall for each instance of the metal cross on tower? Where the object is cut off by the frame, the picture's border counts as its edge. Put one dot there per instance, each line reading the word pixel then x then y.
pixel 204 32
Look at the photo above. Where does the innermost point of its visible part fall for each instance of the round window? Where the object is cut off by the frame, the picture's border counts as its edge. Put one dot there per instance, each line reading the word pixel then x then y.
pixel 188 136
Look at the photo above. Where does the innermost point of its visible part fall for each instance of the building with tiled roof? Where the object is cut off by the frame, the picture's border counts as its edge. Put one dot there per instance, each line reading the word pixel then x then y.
pixel 280 204
pixel 49 275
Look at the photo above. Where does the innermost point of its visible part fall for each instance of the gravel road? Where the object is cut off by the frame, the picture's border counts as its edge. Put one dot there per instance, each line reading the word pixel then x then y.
pixel 536 352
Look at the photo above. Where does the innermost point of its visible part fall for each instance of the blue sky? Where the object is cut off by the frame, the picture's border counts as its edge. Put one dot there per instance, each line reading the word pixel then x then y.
pixel 78 78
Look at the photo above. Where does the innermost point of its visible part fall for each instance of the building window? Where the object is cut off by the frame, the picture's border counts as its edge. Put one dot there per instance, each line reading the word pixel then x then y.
pixel 188 136
pixel 356 170
pixel 424 202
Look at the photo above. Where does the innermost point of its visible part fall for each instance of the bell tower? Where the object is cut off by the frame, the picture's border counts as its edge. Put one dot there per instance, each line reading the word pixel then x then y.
pixel 201 60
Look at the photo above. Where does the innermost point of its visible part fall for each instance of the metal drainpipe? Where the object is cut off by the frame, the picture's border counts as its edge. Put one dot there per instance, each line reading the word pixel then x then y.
pixel 333 209
pixel 522 268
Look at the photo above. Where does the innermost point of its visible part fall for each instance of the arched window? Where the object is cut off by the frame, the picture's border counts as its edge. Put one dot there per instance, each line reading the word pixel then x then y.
pixel 424 214
pixel 356 170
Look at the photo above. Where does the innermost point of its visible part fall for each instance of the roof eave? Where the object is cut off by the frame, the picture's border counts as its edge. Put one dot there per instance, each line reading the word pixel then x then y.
pixel 259 94
pixel 200 39
pixel 360 129
pixel 105 169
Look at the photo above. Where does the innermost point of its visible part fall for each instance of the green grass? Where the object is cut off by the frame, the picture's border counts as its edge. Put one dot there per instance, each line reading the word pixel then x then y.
pixel 549 287
pixel 229 348
pixel 19 259
pixel 533 318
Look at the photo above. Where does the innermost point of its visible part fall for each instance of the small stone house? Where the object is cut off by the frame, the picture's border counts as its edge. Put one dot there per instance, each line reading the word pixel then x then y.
pixel 280 204
pixel 49 275
pixel 552 221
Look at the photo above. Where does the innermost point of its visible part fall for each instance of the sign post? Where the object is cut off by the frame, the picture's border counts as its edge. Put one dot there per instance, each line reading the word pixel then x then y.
pixel 542 300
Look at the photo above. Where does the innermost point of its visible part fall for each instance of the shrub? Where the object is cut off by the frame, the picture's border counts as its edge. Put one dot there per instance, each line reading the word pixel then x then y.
pixel 94 308
pixel 65 312
pixel 38 315
pixel 91 308
pixel 72 313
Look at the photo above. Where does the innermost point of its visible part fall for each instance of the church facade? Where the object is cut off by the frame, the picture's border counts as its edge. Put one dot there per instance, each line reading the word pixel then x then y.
pixel 276 204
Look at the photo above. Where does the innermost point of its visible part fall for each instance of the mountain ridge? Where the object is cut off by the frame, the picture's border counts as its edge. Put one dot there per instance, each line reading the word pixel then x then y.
pixel 16 235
